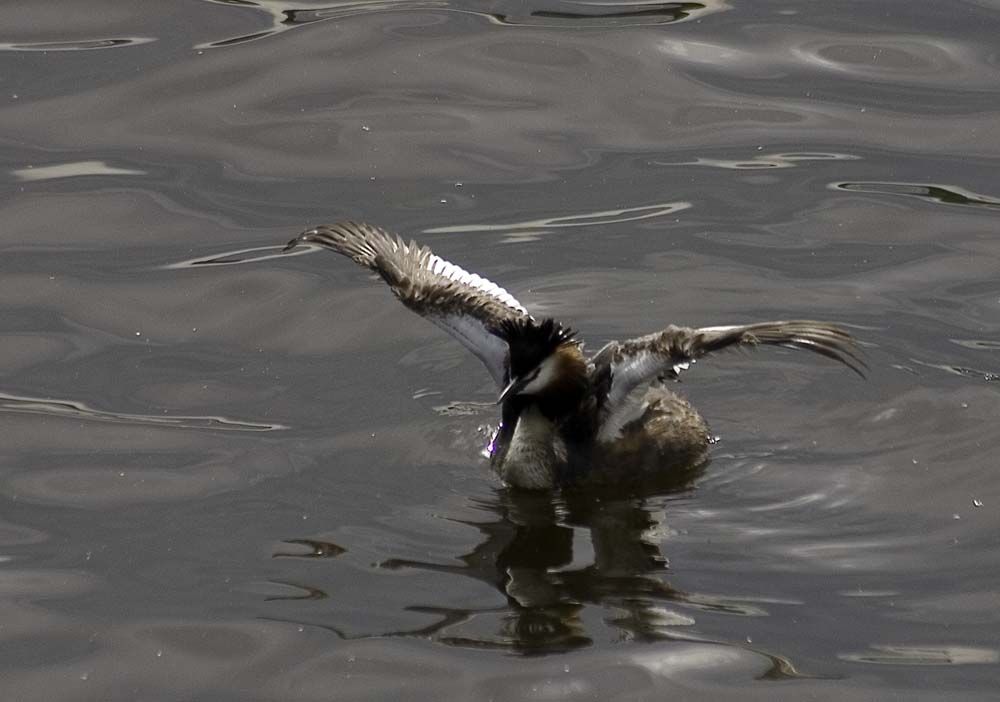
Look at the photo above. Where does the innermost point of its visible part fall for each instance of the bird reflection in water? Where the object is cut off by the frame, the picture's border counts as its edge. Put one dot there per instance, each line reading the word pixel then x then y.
pixel 527 554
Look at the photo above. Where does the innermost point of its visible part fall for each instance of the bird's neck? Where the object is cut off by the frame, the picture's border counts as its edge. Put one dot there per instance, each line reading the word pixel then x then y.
pixel 531 444
pixel 529 451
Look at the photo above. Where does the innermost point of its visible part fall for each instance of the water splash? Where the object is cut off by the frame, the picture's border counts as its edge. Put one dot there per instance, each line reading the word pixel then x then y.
pixel 465 409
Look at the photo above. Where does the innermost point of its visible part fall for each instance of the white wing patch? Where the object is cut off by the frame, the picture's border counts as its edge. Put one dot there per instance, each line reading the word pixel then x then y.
pixel 632 371
pixel 630 380
pixel 629 408
pixel 467 306
pixel 472 334
pixel 438 266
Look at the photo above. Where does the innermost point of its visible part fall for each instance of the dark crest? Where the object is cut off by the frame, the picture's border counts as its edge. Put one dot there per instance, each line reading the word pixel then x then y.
pixel 530 341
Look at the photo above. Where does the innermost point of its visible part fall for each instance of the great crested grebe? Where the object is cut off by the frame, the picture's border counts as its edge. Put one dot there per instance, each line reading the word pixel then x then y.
pixel 564 417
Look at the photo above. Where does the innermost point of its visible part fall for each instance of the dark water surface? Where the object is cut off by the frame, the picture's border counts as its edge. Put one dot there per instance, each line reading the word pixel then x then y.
pixel 264 481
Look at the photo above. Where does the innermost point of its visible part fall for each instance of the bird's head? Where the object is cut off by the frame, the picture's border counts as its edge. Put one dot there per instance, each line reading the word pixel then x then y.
pixel 542 357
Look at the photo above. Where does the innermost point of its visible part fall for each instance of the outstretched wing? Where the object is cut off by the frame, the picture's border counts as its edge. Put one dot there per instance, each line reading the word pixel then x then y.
pixel 625 367
pixel 467 306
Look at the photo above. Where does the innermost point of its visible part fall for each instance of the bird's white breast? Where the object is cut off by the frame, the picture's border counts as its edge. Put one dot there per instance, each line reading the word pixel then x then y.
pixel 535 453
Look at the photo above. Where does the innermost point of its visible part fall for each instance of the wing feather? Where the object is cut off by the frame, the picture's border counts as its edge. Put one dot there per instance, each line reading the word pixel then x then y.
pixel 467 306
pixel 627 366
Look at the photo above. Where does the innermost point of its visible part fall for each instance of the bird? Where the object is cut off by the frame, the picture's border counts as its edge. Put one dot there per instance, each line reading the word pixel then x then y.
pixel 568 419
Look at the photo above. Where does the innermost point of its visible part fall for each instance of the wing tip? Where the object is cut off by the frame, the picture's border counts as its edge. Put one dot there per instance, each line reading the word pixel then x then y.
pixel 360 241
pixel 823 338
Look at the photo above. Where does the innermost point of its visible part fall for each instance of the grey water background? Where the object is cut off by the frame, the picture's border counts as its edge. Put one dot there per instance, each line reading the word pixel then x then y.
pixel 227 476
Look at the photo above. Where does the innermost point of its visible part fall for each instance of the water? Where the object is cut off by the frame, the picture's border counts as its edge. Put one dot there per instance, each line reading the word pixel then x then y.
pixel 263 481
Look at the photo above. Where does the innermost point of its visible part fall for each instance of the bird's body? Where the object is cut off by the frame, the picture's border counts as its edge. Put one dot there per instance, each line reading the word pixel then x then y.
pixel 566 418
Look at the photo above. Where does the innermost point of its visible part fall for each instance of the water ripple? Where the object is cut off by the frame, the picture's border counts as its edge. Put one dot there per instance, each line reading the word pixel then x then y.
pixel 25 404
pixel 988 344
pixel 82 45
pixel 310 548
pixel 71 170
pixel 924 655
pixel 964 371
pixel 763 161
pixel 238 256
pixel 631 14
pixel 576 15
pixel 587 219
pixel 774 51
pixel 885 57
pixel 942 194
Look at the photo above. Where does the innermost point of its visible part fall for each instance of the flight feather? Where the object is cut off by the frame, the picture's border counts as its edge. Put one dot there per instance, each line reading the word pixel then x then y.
pixel 627 366
pixel 469 307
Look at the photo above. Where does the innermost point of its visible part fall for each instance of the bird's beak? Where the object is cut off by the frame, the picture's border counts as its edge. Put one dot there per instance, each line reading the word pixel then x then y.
pixel 513 387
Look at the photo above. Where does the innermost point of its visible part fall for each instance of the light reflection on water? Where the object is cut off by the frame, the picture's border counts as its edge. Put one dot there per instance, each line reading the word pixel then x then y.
pixel 264 480
pixel 569 15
